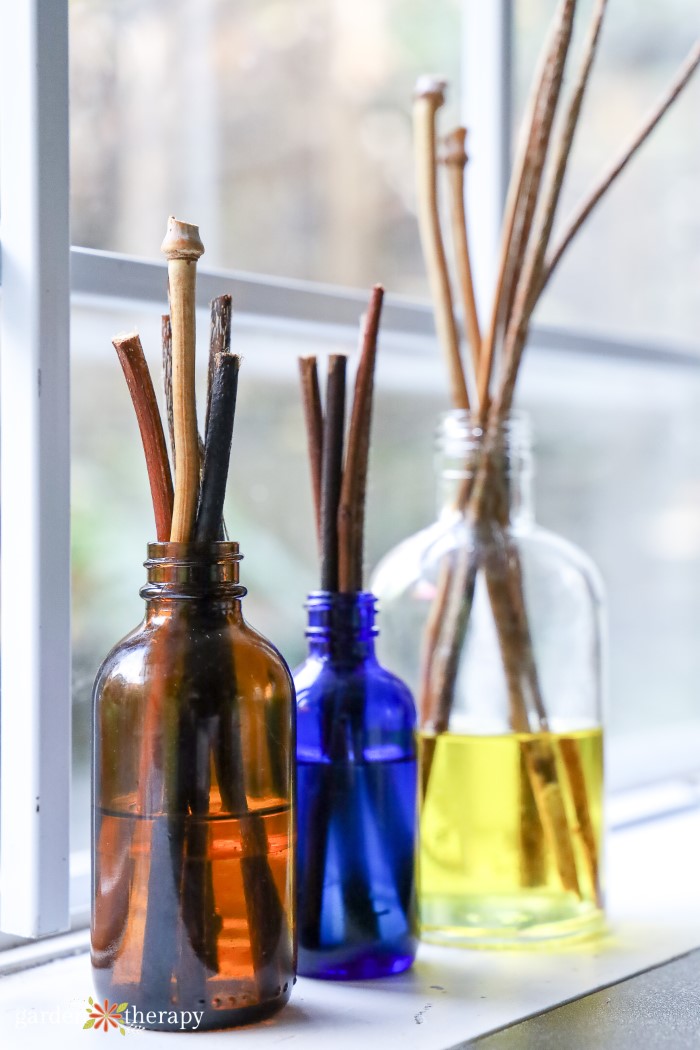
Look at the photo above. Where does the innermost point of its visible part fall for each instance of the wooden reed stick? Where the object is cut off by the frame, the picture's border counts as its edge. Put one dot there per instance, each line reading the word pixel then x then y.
pixel 221 310
pixel 429 96
pixel 542 132
pixel 313 418
pixel 454 157
pixel 431 637
pixel 353 495
pixel 332 469
pixel 539 268
pixel 138 380
pixel 182 247
pixel 217 446
pixel 556 174
pixel 588 204
pixel 541 766
pixel 444 666
pixel 524 183
pixel 531 277
pixel 166 339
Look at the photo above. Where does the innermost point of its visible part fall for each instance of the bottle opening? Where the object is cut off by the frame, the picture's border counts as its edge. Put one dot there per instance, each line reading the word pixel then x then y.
pixel 460 433
pixel 332 613
pixel 193 569
pixel 461 442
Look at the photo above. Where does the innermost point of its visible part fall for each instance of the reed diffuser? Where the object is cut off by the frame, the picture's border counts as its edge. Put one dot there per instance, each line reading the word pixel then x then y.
pixel 498 624
pixel 193 755
pixel 355 747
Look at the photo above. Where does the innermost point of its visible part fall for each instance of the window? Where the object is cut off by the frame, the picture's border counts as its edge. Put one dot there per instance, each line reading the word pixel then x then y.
pixel 638 257
pixel 298 118
pixel 297 115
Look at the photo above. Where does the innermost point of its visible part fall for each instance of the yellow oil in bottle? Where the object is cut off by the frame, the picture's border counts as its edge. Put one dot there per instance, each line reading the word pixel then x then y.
pixel 511 838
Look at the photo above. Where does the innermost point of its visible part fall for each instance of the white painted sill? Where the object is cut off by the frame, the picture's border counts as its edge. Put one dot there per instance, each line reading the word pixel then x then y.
pixel 451 995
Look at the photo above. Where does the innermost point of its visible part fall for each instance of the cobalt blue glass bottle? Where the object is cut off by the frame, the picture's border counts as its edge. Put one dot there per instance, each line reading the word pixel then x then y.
pixel 356 765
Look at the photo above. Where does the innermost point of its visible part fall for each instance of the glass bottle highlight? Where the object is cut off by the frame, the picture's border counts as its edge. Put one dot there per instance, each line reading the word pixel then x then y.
pixel 498 624
pixel 193 895
pixel 356 760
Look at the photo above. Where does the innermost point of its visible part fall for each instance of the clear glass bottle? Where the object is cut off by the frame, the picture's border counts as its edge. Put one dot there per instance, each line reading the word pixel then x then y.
pixel 193 793
pixel 497 624
pixel 356 762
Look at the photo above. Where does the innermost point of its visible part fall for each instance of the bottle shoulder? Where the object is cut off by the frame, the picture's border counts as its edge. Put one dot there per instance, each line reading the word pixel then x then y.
pixel 315 679
pixel 405 562
pixel 159 643
pixel 537 542
pixel 248 637
pixel 367 712
pixel 418 558
pixel 124 660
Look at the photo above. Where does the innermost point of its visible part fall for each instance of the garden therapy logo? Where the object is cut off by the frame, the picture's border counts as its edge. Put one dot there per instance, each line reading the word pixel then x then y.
pixel 105 1017
pixel 122 1016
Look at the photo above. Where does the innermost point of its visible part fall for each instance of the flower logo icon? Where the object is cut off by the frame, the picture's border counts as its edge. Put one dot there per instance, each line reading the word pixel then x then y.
pixel 105 1017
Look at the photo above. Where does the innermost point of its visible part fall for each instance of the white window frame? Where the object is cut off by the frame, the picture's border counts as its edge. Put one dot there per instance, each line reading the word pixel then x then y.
pixel 35 753
pixel 35 728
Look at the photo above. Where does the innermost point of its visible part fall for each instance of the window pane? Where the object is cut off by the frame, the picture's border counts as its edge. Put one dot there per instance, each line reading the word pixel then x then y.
pixel 283 128
pixel 635 269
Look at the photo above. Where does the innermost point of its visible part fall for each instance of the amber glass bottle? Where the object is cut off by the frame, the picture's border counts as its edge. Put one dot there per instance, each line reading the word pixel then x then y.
pixel 193 795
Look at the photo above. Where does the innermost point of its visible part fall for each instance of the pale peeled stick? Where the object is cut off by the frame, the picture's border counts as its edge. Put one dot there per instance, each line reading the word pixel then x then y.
pixel 182 247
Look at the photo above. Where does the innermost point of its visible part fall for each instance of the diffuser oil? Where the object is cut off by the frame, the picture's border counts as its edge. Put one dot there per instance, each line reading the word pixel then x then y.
pixel 488 872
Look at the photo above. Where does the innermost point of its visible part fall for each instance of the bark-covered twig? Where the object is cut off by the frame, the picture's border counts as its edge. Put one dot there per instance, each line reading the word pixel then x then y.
pixel 332 470
pixel 143 397
pixel 313 418
pixel 454 158
pixel 353 493
pixel 429 96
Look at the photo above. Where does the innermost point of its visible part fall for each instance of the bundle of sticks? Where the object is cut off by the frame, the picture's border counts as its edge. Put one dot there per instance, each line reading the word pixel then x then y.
pixel 338 475
pixel 529 255
pixel 190 511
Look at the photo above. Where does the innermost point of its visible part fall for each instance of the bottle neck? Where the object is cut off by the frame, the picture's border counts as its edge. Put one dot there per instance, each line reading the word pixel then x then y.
pixel 461 449
pixel 341 627
pixel 205 573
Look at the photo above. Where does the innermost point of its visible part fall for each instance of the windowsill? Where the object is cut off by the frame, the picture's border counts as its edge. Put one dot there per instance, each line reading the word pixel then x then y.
pixel 451 995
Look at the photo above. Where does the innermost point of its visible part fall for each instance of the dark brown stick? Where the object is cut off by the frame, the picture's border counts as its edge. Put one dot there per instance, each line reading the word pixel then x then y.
pixel 313 418
pixel 351 512
pixel 219 343
pixel 138 380
pixel 166 336
pixel 217 448
pixel 332 469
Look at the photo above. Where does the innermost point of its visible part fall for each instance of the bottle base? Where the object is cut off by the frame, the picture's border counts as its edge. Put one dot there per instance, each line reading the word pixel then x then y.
pixel 220 1009
pixel 363 966
pixel 527 921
